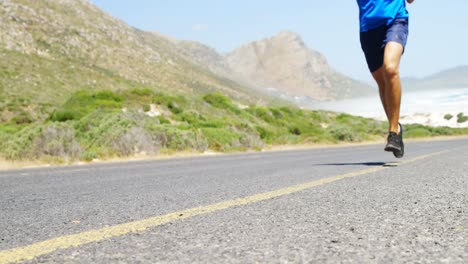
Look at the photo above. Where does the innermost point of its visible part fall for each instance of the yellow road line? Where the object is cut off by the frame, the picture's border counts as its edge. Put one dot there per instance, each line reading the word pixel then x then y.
pixel 75 240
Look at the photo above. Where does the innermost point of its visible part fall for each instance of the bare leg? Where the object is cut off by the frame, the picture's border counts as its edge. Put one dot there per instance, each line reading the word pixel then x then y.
pixel 379 78
pixel 392 93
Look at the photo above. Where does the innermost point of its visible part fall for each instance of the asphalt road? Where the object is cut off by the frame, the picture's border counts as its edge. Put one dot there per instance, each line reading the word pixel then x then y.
pixel 350 205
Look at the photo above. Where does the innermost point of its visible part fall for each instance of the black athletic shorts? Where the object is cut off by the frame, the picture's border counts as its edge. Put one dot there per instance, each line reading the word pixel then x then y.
pixel 373 41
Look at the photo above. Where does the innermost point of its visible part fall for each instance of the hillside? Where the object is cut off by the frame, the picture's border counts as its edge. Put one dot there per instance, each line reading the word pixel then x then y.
pixel 283 62
pixel 448 79
pixel 51 48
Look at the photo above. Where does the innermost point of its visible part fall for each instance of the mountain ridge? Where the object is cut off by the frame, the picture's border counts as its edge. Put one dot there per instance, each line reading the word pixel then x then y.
pixel 284 62
pixel 452 78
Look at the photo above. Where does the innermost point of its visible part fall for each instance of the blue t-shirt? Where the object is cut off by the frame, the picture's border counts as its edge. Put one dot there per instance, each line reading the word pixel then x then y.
pixel 376 13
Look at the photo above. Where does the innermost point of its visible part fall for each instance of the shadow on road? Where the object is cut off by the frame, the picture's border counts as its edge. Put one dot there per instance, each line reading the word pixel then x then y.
pixel 370 164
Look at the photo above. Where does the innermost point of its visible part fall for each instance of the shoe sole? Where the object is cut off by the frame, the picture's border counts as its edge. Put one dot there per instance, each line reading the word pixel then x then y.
pixel 398 154
pixel 392 148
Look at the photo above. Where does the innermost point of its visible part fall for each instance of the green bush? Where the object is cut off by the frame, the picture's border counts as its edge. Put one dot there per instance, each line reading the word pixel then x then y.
pixel 174 107
pixel 10 128
pixel 44 140
pixel 262 113
pixel 89 155
pixel 146 108
pixel 19 146
pixel 213 123
pixel 262 132
pixel 344 118
pixel 448 116
pixel 418 132
pixel 57 140
pixel 83 103
pixel 441 131
pixel 173 138
pixel 142 91
pixel 220 139
pixel 7 131
pixel 173 103
pixel 461 118
pixel 63 116
pixel 109 96
pixel 286 110
pixel 295 131
pixel 343 133
pixel 277 113
pixel 219 100
pixel 22 118
pixel 265 133
pixel 163 120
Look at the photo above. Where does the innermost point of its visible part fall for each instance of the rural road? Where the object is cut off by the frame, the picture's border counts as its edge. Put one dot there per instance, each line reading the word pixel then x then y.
pixel 334 205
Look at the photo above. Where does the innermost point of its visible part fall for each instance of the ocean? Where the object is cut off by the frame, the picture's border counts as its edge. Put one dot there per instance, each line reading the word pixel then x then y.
pixel 423 107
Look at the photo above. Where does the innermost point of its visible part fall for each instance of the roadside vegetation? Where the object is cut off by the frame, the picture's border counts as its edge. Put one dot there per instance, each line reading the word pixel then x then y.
pixel 105 124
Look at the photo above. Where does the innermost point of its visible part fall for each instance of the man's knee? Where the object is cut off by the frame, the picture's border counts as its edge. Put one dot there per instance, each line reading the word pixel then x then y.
pixel 391 70
pixel 393 53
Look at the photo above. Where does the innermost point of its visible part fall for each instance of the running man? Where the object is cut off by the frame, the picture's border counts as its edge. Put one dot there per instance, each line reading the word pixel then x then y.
pixel 383 34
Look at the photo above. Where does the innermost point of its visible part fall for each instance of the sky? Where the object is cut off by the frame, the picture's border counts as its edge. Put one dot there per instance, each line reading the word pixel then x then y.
pixel 438 33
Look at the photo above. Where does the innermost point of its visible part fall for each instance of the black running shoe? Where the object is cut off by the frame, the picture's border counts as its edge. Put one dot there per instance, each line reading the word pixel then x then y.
pixel 395 143
pixel 401 153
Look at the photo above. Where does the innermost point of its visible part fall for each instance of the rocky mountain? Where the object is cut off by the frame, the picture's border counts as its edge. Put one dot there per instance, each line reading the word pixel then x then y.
pixel 284 62
pixel 448 79
pixel 50 48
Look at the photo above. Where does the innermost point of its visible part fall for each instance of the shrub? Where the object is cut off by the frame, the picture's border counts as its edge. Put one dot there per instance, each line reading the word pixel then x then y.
pixel 7 131
pixel 219 100
pixel 146 108
pixel 295 131
pixel 251 141
pixel 135 140
pixel 9 128
pixel 163 120
pixel 107 96
pixel 89 155
pixel 220 139
pixel 22 118
pixel 276 113
pixel 190 117
pixel 142 92
pixel 19 145
pixel 214 123
pixel 441 131
pixel 461 118
pixel 342 118
pixel 343 133
pixel 83 103
pixel 45 140
pixel 264 133
pixel 174 103
pixel 177 139
pixel 185 139
pixel 57 140
pixel 418 132
pixel 174 107
pixel 63 116
pixel 448 116
pixel 262 113
pixel 286 110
